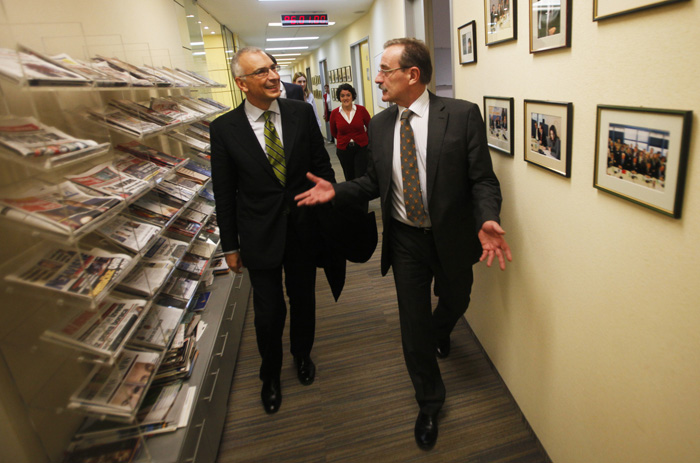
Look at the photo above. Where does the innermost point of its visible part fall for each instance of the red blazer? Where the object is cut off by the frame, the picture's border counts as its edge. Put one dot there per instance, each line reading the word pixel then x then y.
pixel 356 130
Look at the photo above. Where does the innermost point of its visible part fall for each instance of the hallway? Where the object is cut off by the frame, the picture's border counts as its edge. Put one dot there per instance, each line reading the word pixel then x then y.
pixel 361 406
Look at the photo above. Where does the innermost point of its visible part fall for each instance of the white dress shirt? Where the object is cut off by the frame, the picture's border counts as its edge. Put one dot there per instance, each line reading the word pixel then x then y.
pixel 256 119
pixel 419 124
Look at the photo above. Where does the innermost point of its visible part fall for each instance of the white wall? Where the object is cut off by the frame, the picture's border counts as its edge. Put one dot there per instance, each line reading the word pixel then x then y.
pixel 595 325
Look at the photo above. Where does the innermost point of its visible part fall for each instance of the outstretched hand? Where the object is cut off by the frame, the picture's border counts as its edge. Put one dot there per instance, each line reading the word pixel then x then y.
pixel 493 244
pixel 323 192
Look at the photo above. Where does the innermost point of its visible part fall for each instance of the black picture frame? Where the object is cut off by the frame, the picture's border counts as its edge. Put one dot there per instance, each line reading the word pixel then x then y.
pixel 642 155
pixel 499 119
pixel 605 9
pixel 467 43
pixel 551 151
pixel 550 25
pixel 501 21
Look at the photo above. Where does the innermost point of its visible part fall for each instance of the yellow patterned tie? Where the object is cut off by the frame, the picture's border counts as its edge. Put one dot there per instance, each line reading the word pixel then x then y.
pixel 274 149
pixel 412 196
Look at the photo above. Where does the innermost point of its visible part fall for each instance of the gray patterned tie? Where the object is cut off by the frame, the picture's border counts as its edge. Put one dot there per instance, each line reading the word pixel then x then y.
pixel 412 195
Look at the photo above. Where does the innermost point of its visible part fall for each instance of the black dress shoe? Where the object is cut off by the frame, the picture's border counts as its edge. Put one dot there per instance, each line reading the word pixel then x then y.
pixel 306 370
pixel 443 348
pixel 271 395
pixel 426 431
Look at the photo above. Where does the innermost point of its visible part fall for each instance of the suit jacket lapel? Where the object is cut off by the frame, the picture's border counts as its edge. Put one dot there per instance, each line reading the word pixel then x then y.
pixel 437 125
pixel 290 128
pixel 247 140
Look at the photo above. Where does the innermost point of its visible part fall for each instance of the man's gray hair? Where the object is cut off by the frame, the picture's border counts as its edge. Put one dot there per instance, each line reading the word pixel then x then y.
pixel 235 60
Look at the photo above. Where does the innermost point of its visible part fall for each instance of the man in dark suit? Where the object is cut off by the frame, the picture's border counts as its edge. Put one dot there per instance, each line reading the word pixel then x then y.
pixel 435 231
pixel 261 152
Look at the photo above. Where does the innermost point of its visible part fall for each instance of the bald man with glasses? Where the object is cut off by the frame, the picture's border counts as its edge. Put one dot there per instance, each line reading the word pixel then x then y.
pixel 261 152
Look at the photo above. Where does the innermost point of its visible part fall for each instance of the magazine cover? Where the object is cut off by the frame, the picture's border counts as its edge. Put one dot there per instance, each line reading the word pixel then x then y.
pixel 158 327
pixel 61 208
pixel 138 168
pixel 30 138
pixel 108 181
pixel 128 233
pixel 166 249
pixel 151 154
pixel 103 331
pixel 85 274
pixel 26 66
pixel 147 278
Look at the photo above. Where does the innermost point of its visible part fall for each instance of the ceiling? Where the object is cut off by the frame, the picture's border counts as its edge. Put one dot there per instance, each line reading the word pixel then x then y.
pixel 249 19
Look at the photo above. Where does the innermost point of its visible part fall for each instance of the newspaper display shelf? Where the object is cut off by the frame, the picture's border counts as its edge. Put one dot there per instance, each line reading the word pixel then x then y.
pixel 51 371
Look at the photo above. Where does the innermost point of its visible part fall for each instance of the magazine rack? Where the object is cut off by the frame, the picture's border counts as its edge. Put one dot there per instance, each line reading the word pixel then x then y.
pixel 68 326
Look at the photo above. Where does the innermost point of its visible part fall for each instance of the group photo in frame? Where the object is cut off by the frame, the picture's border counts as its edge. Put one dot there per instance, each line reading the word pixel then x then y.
pixel 550 24
pixel 500 123
pixel 642 154
pixel 467 43
pixel 548 134
pixel 500 18
pixel 604 9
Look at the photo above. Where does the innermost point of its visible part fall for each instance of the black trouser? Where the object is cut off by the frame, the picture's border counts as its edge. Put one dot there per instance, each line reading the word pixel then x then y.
pixel 353 160
pixel 271 309
pixel 415 263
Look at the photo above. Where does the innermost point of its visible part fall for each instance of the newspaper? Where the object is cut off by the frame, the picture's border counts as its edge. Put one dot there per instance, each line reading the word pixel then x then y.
pixel 107 180
pixel 25 65
pixel 146 279
pixel 190 174
pixel 165 249
pixel 114 118
pixel 190 141
pixel 142 112
pixel 61 208
pixel 86 274
pixel 90 71
pixel 153 210
pixel 29 137
pixel 134 71
pixel 103 331
pixel 176 191
pixel 199 132
pixel 151 154
pixel 138 168
pixel 158 327
pixel 119 451
pixel 180 287
pixel 193 264
pixel 104 67
pixel 203 249
pixel 201 205
pixel 193 103
pixel 117 390
pixel 170 108
pixel 128 233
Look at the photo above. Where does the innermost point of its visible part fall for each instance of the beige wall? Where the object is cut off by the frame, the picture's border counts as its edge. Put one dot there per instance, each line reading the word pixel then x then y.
pixel 595 325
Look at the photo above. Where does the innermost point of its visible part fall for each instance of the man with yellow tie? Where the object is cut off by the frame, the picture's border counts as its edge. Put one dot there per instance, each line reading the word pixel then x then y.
pixel 261 152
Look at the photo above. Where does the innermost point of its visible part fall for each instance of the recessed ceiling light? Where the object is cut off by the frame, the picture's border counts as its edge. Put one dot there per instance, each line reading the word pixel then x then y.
pixel 284 39
pixel 189 16
pixel 286 48
pixel 206 27
pixel 196 43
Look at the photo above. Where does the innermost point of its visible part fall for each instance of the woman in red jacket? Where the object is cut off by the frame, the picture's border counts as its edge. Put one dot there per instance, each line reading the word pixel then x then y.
pixel 349 125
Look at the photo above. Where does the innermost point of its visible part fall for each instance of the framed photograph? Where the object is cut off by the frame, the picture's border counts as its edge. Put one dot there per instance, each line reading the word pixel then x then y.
pixel 345 73
pixel 467 43
pixel 550 24
pixel 349 74
pixel 641 155
pixel 498 117
pixel 548 134
pixel 500 17
pixel 334 76
pixel 604 9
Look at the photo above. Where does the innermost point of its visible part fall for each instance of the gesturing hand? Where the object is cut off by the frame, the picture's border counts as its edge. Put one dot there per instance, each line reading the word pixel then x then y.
pixel 321 193
pixel 493 244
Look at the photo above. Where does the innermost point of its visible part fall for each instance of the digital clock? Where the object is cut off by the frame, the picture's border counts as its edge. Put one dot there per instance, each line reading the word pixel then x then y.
pixel 302 20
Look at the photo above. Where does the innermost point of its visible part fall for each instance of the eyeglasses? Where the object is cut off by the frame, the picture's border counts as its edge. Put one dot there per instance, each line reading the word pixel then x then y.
pixel 263 72
pixel 387 71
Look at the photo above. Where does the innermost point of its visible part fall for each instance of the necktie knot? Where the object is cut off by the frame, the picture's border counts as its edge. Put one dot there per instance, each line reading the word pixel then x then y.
pixel 267 115
pixel 406 114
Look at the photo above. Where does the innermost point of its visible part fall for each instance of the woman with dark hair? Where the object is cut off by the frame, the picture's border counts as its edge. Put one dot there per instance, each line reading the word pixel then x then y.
pixel 300 79
pixel 554 143
pixel 349 124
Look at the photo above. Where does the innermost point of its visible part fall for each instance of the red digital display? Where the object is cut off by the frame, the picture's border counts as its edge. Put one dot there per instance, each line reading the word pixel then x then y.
pixel 300 20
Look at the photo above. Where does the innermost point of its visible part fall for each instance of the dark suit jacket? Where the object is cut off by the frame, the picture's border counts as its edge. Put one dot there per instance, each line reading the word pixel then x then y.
pixel 462 192
pixel 294 92
pixel 251 205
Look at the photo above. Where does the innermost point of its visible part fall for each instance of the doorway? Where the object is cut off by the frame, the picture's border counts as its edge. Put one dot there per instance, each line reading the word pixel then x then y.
pixel 362 74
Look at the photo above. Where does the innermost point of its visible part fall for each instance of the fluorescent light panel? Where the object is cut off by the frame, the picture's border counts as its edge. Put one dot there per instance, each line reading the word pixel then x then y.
pixel 286 48
pixel 276 55
pixel 284 39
